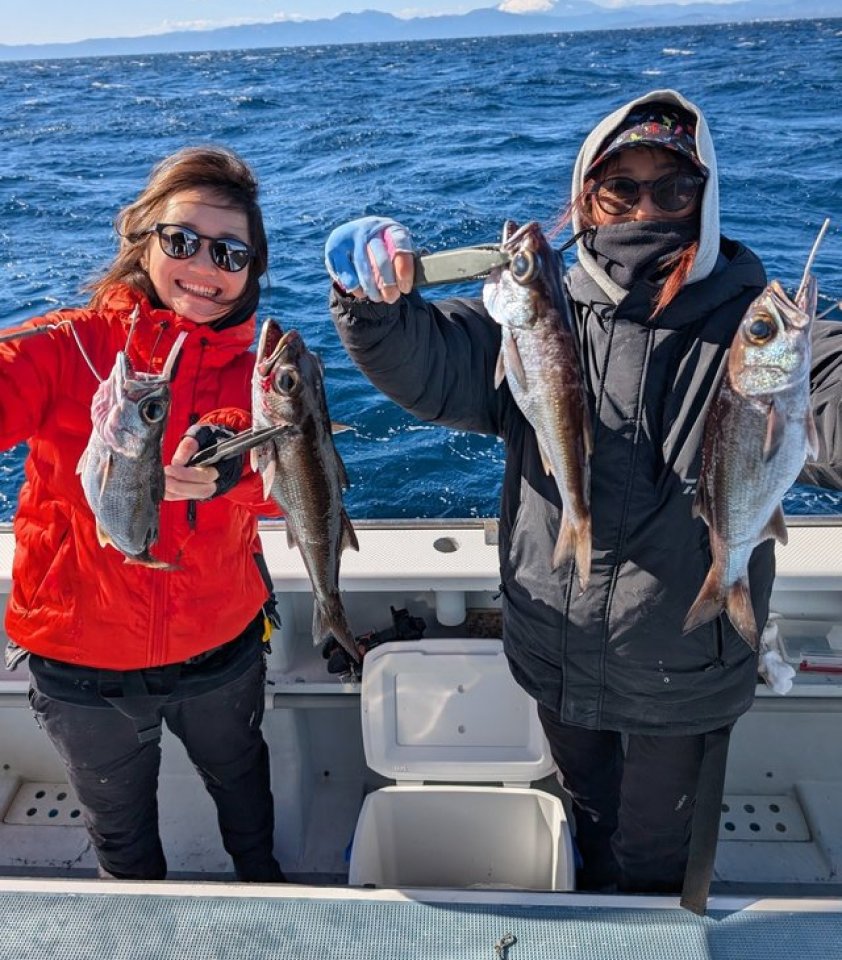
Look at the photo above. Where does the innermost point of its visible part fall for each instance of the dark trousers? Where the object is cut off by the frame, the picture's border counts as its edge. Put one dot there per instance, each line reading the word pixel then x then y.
pixel 115 774
pixel 633 810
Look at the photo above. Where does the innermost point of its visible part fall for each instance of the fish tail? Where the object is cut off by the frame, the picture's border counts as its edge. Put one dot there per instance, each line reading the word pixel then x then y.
pixel 329 621
pixel 714 597
pixel 574 540
pixel 741 612
pixel 709 603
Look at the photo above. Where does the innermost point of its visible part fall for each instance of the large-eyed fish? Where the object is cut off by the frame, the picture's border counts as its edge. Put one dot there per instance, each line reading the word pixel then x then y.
pixel 302 470
pixel 758 433
pixel 121 470
pixel 540 360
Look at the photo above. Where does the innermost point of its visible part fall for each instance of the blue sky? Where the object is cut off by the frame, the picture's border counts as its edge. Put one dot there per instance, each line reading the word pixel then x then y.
pixel 48 21
pixel 56 21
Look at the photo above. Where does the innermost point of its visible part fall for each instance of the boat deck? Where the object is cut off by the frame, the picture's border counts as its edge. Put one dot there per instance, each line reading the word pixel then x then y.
pixel 780 836
pixel 124 921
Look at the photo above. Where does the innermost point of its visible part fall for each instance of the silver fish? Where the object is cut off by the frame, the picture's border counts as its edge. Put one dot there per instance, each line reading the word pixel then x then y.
pixel 121 470
pixel 540 360
pixel 758 433
pixel 302 470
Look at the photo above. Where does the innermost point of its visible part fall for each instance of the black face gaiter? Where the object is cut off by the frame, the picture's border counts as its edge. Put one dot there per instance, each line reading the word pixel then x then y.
pixel 638 249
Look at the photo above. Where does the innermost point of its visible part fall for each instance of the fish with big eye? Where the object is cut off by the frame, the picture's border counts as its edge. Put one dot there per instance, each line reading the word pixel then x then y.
pixel 121 469
pixel 758 433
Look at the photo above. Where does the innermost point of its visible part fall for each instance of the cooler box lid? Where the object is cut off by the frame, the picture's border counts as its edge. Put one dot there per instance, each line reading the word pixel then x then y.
pixel 449 710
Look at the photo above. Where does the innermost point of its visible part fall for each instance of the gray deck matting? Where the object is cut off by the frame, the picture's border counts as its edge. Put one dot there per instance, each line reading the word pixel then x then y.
pixel 68 926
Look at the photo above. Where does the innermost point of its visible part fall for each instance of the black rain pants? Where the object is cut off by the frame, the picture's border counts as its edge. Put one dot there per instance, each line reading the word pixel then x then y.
pixel 633 808
pixel 213 704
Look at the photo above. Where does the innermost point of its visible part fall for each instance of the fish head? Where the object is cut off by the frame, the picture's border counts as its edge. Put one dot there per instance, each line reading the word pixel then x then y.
pixel 771 349
pixel 511 292
pixel 288 383
pixel 130 410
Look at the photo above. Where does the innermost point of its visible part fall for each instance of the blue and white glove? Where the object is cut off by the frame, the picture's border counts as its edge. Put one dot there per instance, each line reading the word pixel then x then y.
pixel 371 257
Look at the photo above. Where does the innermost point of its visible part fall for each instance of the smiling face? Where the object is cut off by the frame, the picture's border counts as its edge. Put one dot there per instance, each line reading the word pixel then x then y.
pixel 195 287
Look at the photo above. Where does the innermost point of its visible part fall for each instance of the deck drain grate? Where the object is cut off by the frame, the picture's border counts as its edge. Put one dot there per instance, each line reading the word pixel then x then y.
pixel 44 803
pixel 752 817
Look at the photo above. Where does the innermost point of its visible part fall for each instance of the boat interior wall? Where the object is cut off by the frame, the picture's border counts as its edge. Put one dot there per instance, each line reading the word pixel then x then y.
pixel 782 822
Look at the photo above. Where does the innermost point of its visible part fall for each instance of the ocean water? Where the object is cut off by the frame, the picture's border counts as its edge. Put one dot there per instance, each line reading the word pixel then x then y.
pixel 450 137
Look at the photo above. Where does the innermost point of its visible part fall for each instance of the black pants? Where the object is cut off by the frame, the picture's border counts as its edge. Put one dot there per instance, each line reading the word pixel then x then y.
pixel 115 774
pixel 633 811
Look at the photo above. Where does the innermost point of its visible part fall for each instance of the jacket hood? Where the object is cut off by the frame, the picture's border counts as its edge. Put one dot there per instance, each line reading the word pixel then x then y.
pixel 709 231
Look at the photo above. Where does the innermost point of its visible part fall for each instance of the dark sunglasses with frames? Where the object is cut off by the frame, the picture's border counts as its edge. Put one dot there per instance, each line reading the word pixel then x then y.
pixel 181 243
pixel 672 193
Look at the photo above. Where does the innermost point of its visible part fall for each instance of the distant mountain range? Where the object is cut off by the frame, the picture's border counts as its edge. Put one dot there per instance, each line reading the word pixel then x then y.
pixel 375 27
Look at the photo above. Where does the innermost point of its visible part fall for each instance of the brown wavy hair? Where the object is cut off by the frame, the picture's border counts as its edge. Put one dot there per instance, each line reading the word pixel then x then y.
pixel 215 168
pixel 676 269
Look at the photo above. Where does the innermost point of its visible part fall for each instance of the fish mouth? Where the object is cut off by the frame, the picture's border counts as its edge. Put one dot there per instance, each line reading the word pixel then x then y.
pixel 274 345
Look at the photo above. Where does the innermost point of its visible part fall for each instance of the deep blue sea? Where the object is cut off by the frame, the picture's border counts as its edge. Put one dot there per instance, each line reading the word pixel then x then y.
pixel 450 137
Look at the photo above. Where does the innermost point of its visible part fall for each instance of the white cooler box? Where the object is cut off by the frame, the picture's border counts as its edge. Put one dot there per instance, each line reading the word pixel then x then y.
pixel 449 711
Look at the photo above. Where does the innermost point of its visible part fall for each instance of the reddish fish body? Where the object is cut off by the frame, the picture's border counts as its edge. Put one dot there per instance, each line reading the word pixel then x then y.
pixel 758 434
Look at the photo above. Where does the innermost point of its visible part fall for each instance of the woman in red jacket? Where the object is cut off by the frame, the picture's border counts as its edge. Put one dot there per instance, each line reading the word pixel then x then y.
pixel 115 647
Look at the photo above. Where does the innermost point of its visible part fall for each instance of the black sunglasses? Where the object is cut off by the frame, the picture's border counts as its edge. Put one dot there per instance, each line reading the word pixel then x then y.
pixel 180 243
pixel 672 192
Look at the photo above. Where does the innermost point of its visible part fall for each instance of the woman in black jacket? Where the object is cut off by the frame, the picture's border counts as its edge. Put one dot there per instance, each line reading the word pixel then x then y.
pixel 628 704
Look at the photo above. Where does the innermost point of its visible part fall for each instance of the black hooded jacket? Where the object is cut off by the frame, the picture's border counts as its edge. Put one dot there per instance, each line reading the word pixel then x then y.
pixel 612 657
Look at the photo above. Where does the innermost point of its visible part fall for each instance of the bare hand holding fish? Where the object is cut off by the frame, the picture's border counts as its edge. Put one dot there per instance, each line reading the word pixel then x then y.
pixel 189 483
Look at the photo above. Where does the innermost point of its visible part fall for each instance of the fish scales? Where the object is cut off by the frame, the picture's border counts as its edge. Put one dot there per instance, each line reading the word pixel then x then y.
pixel 121 469
pixel 758 433
pixel 302 470
pixel 539 360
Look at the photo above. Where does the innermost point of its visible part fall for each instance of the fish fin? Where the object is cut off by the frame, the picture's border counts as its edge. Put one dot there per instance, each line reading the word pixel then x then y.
pixel 147 560
pixel 339 427
pixel 574 541
pixel 105 473
pixel 812 436
pixel 775 423
pixel 103 539
pixel 499 370
pixel 741 612
pixel 514 364
pixel 268 474
pixel 292 540
pixel 709 603
pixel 340 469
pixel 587 430
pixel 775 528
pixel 329 621
pixel 349 535
pixel 80 466
pixel 545 460
pixel 701 505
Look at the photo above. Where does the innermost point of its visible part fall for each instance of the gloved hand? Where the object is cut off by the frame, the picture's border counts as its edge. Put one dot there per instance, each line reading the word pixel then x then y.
pixel 371 257
pixel 201 483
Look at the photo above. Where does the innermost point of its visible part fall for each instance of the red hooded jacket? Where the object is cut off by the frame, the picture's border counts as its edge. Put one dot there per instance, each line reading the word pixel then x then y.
pixel 74 600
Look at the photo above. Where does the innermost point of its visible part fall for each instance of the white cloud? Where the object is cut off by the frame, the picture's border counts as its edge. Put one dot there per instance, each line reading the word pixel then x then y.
pixel 526 6
pixel 175 25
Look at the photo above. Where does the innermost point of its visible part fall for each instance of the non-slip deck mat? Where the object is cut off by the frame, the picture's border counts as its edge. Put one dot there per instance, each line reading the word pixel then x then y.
pixel 62 926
